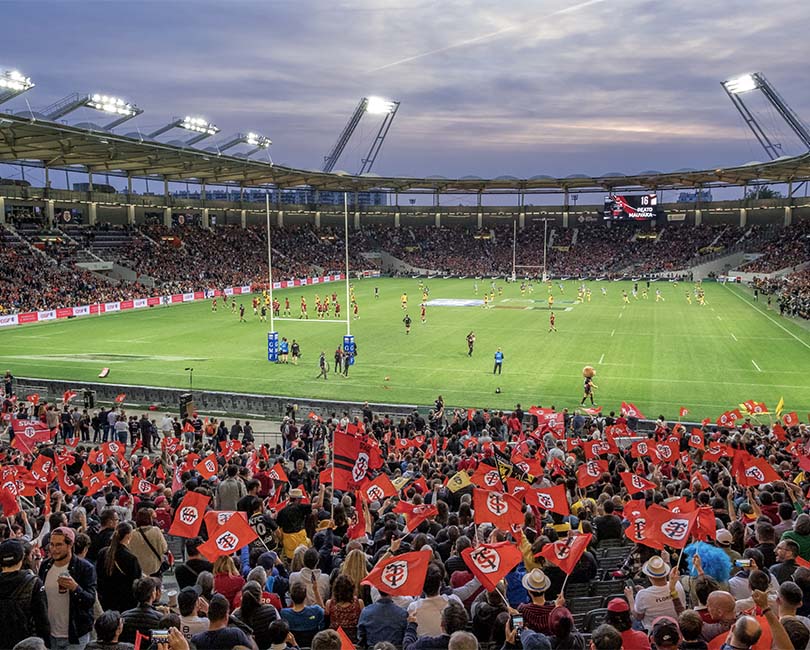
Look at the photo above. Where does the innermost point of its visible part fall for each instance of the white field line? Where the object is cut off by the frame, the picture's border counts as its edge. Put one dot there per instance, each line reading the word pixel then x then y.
pixel 734 337
pixel 756 366
pixel 779 325
pixel 601 359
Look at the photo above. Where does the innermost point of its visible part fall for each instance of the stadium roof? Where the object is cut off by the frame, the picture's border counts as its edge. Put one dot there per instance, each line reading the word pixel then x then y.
pixel 59 145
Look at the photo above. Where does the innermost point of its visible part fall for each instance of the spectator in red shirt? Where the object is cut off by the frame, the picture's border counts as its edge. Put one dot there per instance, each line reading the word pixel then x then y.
pixel 227 580
pixel 618 615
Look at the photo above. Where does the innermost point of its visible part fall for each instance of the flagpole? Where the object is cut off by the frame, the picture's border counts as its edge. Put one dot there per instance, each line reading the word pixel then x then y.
pixel 332 494
pixel 562 589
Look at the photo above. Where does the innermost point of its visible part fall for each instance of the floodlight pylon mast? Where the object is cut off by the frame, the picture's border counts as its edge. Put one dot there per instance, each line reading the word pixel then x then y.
pixel 737 87
pixel 346 256
pixel 331 159
pixel 371 156
pixel 269 260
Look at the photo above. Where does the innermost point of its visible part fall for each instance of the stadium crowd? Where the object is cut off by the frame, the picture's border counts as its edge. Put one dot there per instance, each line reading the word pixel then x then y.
pixel 790 248
pixel 458 530
pixel 792 292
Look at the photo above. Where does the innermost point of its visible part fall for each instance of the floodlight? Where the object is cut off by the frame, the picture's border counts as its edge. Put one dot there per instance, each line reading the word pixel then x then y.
pixel 198 125
pixel 742 84
pixel 13 83
pixel 379 106
pixel 256 140
pixel 112 105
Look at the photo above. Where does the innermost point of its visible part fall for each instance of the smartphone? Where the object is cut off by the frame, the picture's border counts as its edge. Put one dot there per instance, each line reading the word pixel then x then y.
pixel 160 636
pixel 629 583
pixel 745 564
pixel 517 622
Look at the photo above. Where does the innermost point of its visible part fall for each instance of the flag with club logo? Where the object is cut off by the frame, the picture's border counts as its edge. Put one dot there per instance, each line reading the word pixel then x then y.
pixel 705 525
pixel 357 524
pixel 27 433
pixel 757 471
pixel 42 471
pixel 33 398
pixel 565 553
pixel 231 536
pixel 696 439
pixel 415 514
pixel 401 575
pixel 635 483
pixel 590 472
pixel 188 517
pixel 593 411
pixel 458 481
pixel 496 508
pixel 636 513
pixel 551 499
pixel 669 528
pixel 352 461
pixel 701 480
pixel 487 478
pixel 208 466
pixel 629 410
pixel 682 504
pixel 664 452
pixel 491 562
pixel 378 489
pixel 683 412
pixel 278 473
pixel 142 486
pixel 68 395
pixel 640 448
pixel 213 519
pixel 790 419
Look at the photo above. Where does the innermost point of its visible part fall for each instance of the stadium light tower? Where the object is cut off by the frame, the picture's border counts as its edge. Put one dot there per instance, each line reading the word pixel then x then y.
pixel 13 83
pixel 737 87
pixel 199 125
pixel 258 142
pixel 120 108
pixel 373 106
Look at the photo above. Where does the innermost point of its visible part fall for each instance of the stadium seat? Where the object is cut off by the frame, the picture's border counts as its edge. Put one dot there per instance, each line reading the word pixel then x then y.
pixel 607 587
pixel 594 619
pixel 584 604
pixel 577 590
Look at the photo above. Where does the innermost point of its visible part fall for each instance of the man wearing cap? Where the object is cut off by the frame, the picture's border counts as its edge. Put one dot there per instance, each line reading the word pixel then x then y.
pixel 291 522
pixel 724 539
pixel 537 613
pixel 656 600
pixel 25 589
pixel 665 633
pixel 618 615
pixel 70 589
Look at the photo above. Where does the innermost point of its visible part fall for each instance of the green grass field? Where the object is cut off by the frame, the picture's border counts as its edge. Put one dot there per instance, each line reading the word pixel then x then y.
pixel 658 355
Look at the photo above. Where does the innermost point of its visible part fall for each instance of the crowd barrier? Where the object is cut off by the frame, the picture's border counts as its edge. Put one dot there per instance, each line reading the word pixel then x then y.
pixel 8 320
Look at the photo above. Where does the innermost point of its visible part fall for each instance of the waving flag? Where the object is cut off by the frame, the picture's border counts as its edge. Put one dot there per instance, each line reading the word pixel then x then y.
pixel 638 530
pixel 683 412
pixel 120 398
pixel 353 458
pixel 491 562
pixel 496 508
pixel 142 486
pixel 552 499
pixel 278 474
pixel 378 489
pixel 705 525
pixel 696 439
pixel 593 411
pixel 590 472
pixel 458 481
pixel 33 398
pixel 664 452
pixel 757 471
pixel 27 433
pixel 629 410
pixel 635 483
pixel 233 535
pixel 487 477
pixel 208 466
pixel 790 419
pixel 640 448
pixel 565 553
pixel 669 528
pixel 415 514
pixel 401 575
pixel 188 517
pixel 68 395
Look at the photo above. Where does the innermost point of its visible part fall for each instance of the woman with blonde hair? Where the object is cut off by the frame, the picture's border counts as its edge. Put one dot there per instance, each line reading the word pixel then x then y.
pixel 227 580
pixel 298 559
pixel 356 567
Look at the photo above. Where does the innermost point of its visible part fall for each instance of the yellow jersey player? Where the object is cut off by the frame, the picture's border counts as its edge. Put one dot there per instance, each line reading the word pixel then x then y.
pixel 492 297
pixel 486 299
pixel 701 298
pixel 551 301
pixel 425 295
pixel 500 290
pixel 522 288
pixel 688 298
pixel 588 294
pixel 580 296
pixel 562 287
pixel 644 293
pixel 403 299
pixel 625 298
pixel 658 296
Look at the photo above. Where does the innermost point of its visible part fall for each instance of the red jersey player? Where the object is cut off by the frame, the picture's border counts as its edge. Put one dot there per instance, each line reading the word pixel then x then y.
pixel 304 313
pixel 337 309
pixel 551 319
pixel 422 314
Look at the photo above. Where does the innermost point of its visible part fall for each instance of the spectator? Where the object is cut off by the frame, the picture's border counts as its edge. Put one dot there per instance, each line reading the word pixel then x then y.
pixel 118 569
pixel 227 580
pixel 618 616
pixel 187 572
pixel 148 543
pixel 453 619
pixel 220 634
pixel 786 552
pixel 193 609
pixel 656 600
pixel 108 628
pixel 310 575
pixel 143 617
pixel 21 589
pixel 343 609
pixel 304 620
pixel 256 615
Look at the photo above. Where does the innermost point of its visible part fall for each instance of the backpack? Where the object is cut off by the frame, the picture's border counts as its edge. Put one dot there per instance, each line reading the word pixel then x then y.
pixel 17 620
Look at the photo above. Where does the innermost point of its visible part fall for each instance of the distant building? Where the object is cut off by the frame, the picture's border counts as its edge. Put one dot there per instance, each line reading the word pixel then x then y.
pixel 705 196
pixel 288 197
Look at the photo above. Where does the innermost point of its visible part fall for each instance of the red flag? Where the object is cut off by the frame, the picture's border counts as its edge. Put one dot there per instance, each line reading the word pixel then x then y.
pixel 565 553
pixel 696 439
pixel 213 519
pixel 552 499
pixel 140 637
pixel 669 528
pixel 42 470
pixel 635 483
pixel 358 528
pixel 592 449
pixel 120 398
pixel 33 398
pixel 142 486
pixel 66 484
pixel 114 448
pixel 95 483
pixel 401 575
pixel 638 530
pixel 800 561
pixel 423 487
pixel 664 452
pixel 593 411
pixel 27 433
pixel 208 466
pixel 415 515
pixel 698 476
pixel 791 419
pixel 590 472
pixel 189 515
pixel 487 477
pixel 683 412
pixel 177 483
pixel 682 504
pixel 8 500
pixel 491 562
pixel 278 473
pixel 629 410
pixel 68 395
pixel 640 448
pixel 351 461
pixel 345 642
pixel 378 489
pixel 228 538
pixel 497 508
pixel 757 472
pixel 705 525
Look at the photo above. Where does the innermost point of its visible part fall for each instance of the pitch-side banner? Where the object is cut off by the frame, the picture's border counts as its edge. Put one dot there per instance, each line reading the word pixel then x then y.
pixel 8 320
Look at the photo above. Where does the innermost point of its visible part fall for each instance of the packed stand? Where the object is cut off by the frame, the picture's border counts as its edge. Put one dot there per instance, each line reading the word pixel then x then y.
pixel 792 293
pixel 789 249
pixel 455 531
